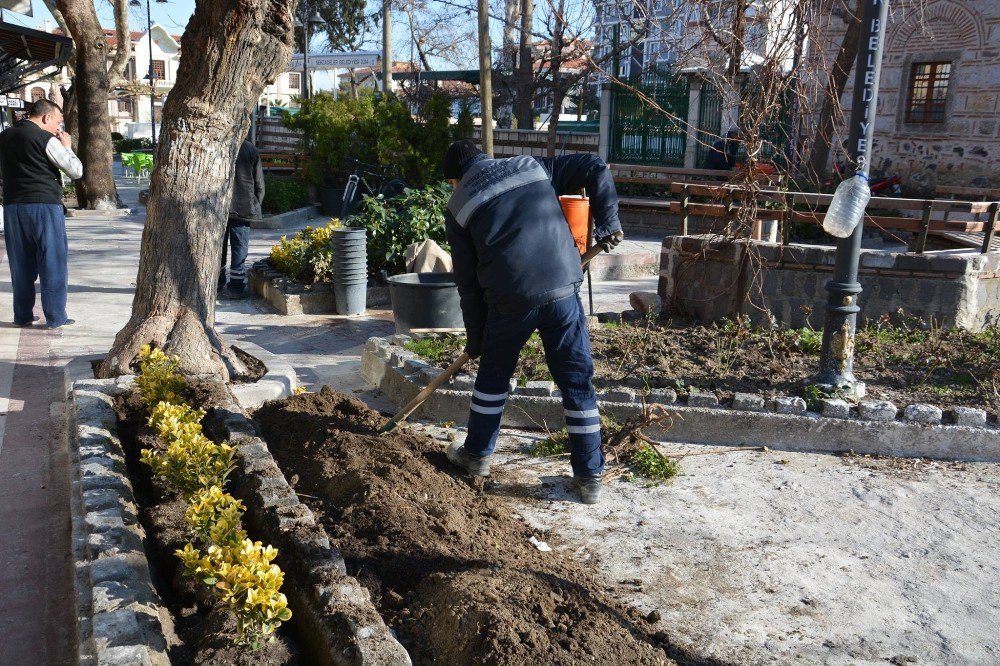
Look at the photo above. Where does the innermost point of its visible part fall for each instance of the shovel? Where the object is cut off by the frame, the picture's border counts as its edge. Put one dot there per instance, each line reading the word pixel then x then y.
pixel 450 371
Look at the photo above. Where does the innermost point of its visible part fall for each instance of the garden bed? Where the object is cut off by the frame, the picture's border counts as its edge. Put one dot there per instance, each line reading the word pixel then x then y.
pixel 904 364
pixel 448 566
pixel 289 297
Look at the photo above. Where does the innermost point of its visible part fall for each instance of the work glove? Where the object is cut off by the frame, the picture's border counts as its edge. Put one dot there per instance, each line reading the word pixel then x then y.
pixel 611 241
pixel 474 346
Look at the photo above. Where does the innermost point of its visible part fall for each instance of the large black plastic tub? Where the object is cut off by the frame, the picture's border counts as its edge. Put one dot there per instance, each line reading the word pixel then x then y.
pixel 425 300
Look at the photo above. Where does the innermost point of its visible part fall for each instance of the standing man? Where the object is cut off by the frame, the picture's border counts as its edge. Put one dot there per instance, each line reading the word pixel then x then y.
pixel 245 207
pixel 31 153
pixel 518 270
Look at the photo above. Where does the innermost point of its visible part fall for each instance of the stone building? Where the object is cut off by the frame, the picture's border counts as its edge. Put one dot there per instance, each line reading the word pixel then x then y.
pixel 939 98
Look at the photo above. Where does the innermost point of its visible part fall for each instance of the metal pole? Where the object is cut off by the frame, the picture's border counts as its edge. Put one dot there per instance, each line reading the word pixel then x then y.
pixel 386 48
pixel 305 59
pixel 485 77
pixel 152 81
pixel 836 363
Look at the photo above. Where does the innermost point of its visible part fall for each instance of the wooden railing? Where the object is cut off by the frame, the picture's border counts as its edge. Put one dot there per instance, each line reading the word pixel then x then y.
pixel 725 201
pixel 283 162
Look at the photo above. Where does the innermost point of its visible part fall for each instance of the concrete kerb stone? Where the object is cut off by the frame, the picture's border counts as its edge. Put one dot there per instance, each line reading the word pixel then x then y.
pixel 876 432
pixel 275 512
pixel 278 382
pixel 118 609
pixel 927 414
pixel 286 219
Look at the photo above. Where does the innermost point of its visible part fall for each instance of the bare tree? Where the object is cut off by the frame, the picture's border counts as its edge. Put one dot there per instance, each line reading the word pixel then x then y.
pixel 232 48
pixel 87 105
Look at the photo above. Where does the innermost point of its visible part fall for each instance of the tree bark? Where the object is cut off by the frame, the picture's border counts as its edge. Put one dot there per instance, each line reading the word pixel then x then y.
pixel 231 49
pixel 96 189
pixel 525 70
pixel 116 71
pixel 508 54
pixel 558 91
pixel 819 153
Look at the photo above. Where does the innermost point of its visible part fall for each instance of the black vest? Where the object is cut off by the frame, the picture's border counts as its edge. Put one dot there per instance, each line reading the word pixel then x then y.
pixel 28 175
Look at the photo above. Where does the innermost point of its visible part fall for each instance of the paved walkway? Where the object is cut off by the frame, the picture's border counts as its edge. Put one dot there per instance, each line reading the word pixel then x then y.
pixel 37 624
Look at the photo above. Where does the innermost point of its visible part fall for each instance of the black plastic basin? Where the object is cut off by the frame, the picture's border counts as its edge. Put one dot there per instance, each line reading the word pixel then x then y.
pixel 425 300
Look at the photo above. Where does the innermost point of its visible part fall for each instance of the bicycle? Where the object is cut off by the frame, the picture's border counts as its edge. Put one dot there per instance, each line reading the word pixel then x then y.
pixel 386 184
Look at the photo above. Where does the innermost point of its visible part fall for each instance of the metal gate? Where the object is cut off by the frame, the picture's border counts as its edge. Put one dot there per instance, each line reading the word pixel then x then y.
pixel 709 122
pixel 643 134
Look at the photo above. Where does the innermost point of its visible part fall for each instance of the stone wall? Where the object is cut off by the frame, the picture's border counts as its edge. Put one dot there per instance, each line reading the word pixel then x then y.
pixel 508 143
pixel 965 148
pixel 712 279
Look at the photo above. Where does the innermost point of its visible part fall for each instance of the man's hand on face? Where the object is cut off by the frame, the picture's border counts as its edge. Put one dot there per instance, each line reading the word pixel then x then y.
pixel 64 138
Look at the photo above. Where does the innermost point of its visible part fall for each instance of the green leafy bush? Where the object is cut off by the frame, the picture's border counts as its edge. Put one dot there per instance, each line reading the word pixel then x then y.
pixel 392 226
pixel 374 131
pixel 129 145
pixel 464 125
pixel 282 194
pixel 307 256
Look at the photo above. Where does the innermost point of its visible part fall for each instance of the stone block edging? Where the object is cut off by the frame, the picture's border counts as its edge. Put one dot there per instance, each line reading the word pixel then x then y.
pixel 288 218
pixel 876 428
pixel 118 609
pixel 120 614
pixel 279 381
pixel 291 298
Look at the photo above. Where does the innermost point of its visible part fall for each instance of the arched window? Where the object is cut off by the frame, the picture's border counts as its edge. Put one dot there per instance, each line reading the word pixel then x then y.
pixel 37 94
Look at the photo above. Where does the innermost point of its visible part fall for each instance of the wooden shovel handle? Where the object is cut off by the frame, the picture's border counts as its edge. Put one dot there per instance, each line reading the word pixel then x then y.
pixel 590 254
pixel 425 393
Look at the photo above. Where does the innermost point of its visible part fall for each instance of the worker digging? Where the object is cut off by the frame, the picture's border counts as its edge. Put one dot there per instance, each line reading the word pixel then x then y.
pixel 517 268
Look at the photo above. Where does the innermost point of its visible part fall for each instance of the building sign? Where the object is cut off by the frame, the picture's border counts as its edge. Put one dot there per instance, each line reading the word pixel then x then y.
pixel 11 102
pixel 19 6
pixel 335 60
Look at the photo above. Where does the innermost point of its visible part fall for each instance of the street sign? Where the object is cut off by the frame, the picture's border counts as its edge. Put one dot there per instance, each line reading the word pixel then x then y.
pixel 338 60
pixel 11 102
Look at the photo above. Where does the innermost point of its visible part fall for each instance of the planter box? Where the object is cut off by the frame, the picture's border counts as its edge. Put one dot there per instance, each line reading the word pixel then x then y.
pixel 292 298
pixel 287 219
pixel 118 607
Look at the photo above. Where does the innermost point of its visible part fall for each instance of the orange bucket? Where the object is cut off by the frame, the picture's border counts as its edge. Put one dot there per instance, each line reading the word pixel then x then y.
pixel 577 212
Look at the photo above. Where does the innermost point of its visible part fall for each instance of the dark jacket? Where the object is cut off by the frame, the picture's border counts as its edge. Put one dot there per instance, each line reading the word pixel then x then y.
pixel 510 242
pixel 28 174
pixel 722 155
pixel 248 185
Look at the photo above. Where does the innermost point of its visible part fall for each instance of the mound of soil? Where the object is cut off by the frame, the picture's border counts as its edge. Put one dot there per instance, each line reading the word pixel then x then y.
pixel 448 566
pixel 200 633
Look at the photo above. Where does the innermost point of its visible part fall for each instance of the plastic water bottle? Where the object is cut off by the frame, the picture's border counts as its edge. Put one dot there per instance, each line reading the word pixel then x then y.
pixel 848 206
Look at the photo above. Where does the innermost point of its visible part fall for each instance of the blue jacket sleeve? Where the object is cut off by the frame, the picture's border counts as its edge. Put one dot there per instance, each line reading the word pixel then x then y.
pixel 466 261
pixel 571 173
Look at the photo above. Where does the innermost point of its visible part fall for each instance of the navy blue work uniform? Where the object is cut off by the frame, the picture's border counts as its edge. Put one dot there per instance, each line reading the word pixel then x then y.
pixel 35 219
pixel 518 271
pixel 245 207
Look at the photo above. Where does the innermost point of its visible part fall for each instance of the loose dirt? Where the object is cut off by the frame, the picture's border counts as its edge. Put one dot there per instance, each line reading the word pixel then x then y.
pixel 904 362
pixel 200 634
pixel 449 566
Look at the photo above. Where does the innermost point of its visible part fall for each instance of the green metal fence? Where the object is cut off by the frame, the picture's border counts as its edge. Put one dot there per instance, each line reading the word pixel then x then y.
pixel 709 122
pixel 640 132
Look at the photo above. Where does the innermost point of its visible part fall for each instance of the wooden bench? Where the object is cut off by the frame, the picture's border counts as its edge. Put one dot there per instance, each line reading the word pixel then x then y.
pixel 730 199
pixel 292 163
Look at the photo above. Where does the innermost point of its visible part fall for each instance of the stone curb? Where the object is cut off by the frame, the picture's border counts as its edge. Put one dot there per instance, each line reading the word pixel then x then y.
pixel 288 218
pixel 322 589
pixel 872 428
pixel 290 298
pixel 278 382
pixel 118 609
pixel 98 214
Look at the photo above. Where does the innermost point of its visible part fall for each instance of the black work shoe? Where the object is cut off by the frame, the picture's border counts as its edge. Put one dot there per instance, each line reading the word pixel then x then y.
pixel 474 465
pixel 236 294
pixel 590 489
pixel 24 324
pixel 68 322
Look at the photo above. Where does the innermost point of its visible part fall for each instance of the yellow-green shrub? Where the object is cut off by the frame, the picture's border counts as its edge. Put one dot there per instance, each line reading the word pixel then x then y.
pixel 158 379
pixel 191 462
pixel 172 421
pixel 243 578
pixel 214 517
pixel 307 256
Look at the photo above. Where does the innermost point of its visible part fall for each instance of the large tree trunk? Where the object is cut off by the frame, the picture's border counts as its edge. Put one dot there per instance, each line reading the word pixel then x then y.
pixel 231 49
pixel 558 91
pixel 525 70
pixel 96 190
pixel 819 153
pixel 508 55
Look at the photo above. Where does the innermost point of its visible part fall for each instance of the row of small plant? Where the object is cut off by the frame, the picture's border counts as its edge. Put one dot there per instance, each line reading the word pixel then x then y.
pixel 307 256
pixel 239 571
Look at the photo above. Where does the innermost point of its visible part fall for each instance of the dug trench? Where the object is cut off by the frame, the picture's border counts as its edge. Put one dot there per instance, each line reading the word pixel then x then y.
pixel 448 565
pixel 197 631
